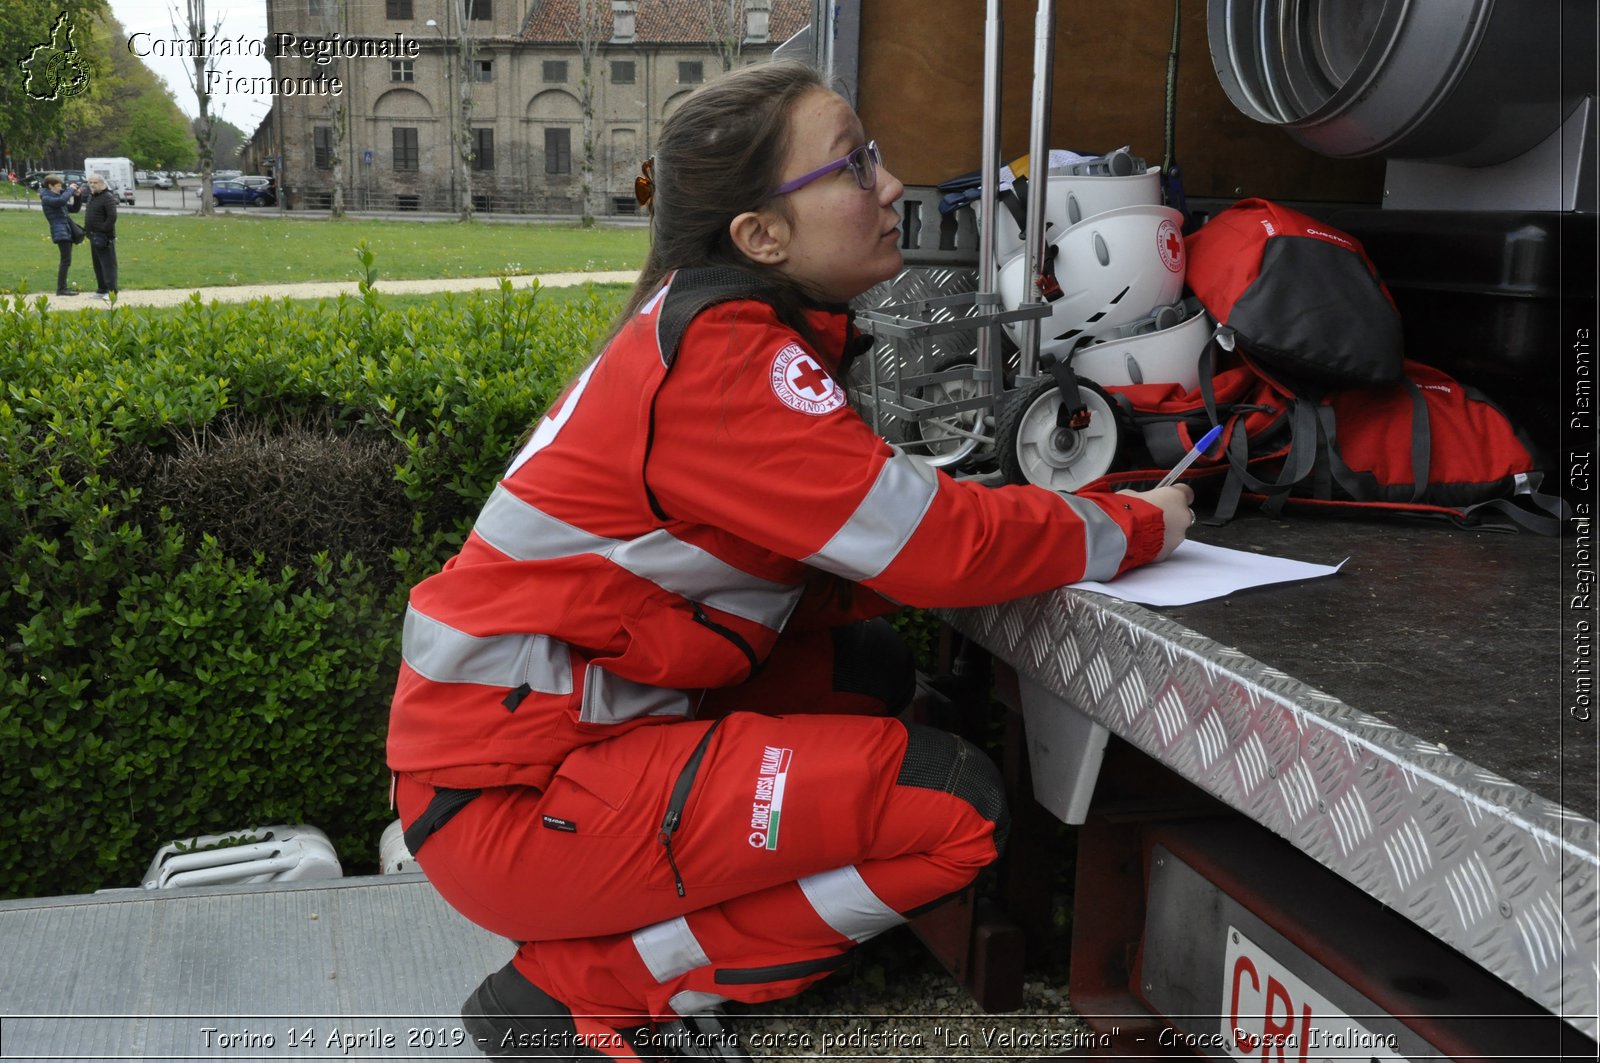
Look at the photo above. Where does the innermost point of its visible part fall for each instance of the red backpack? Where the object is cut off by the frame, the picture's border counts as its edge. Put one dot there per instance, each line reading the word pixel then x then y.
pixel 1318 403
pixel 1429 445
pixel 1300 296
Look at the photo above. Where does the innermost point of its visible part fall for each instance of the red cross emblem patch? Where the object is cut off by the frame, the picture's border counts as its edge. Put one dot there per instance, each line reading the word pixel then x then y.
pixel 801 383
pixel 1169 243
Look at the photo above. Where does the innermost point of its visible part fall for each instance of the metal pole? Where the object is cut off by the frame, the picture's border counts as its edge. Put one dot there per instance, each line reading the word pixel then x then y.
pixel 1044 37
pixel 988 380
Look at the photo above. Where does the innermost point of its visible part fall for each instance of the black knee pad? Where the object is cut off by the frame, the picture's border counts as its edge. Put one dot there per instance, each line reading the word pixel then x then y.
pixel 872 658
pixel 939 760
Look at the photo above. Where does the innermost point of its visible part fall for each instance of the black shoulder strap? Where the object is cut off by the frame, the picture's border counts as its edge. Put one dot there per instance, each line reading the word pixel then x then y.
pixel 1011 199
pixel 690 292
pixel 694 290
pixel 1554 512
pixel 1331 466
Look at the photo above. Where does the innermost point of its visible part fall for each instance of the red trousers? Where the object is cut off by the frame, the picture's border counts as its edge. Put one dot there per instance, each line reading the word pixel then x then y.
pixel 801 836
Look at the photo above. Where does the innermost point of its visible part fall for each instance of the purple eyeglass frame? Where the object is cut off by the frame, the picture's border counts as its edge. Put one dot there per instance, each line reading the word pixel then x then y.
pixel 869 151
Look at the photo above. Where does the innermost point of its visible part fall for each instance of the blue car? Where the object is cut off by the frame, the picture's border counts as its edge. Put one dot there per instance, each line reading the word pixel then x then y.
pixel 225 192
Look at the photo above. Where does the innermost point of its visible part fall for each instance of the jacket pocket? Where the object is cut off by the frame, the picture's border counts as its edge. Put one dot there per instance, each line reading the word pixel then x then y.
pixel 588 768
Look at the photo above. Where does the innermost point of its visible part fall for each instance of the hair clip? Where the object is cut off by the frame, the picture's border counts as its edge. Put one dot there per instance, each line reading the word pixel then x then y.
pixel 644 186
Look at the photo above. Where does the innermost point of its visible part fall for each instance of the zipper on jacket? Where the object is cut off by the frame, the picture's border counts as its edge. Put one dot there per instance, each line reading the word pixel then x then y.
pixel 728 633
pixel 644 465
pixel 680 797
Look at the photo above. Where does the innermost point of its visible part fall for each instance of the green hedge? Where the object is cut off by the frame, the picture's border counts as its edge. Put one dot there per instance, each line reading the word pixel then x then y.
pixel 212 517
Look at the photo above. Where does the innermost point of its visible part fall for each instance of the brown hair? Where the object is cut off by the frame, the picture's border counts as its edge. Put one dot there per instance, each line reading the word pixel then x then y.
pixel 719 155
pixel 53 181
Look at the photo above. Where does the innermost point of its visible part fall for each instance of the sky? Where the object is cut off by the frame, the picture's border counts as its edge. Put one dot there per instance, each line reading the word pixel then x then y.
pixel 239 17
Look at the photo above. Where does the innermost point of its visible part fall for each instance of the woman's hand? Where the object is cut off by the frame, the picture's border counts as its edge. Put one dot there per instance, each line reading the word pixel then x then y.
pixel 1174 503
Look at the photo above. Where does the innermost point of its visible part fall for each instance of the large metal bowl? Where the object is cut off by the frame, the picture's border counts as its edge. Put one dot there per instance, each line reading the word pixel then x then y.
pixel 1466 82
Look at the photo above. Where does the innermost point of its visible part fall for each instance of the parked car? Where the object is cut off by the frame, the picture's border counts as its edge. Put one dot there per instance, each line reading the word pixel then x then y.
pixel 232 192
pixel 257 182
pixel 162 180
pixel 36 177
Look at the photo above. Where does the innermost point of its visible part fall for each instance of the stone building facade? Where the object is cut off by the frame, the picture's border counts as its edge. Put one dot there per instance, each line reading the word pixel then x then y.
pixel 529 66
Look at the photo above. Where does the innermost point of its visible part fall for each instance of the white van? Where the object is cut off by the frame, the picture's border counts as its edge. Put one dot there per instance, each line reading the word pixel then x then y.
pixel 118 173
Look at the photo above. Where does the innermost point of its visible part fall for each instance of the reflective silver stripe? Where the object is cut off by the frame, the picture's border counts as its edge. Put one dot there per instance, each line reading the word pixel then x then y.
pixel 1104 543
pixel 883 522
pixel 846 903
pixel 439 652
pixel 692 1002
pixel 525 533
pixel 669 949
pixel 691 572
pixel 609 698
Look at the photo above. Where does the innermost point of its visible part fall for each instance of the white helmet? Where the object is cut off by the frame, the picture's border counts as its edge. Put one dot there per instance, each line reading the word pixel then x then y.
pixel 1070 198
pixel 1163 348
pixel 1114 268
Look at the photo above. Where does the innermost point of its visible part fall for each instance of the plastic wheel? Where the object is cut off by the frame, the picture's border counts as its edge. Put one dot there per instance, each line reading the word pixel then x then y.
pixel 936 439
pixel 1034 449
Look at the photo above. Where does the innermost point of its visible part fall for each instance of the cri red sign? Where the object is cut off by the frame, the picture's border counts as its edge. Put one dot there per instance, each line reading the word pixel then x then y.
pixel 1272 1015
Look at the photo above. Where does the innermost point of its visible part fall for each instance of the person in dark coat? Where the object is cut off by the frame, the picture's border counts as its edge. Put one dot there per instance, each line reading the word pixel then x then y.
pixel 58 198
pixel 100 222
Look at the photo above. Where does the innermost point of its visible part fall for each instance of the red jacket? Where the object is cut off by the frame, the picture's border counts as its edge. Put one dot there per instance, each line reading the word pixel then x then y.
pixel 701 487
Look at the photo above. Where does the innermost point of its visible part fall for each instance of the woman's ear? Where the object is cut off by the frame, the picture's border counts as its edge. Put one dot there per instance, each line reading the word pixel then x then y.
pixel 762 236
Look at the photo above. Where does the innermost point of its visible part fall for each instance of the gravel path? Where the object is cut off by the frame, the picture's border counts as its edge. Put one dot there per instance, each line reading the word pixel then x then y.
pixel 901 1004
pixel 327 289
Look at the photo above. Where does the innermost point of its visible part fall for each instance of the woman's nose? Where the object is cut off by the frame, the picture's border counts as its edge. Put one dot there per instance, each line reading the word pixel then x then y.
pixel 889 187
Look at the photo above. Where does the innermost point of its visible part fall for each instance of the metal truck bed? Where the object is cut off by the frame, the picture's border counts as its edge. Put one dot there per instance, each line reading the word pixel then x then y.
pixel 1401 723
pixel 356 968
pixel 1449 634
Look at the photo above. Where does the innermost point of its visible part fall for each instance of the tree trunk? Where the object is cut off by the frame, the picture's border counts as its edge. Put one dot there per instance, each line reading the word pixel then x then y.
pixel 204 133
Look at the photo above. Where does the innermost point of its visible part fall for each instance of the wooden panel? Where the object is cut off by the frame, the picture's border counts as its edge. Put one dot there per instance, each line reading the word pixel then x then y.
pixel 921 89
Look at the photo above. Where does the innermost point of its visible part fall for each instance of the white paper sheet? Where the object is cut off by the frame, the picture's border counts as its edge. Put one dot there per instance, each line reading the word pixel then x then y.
pixel 1198 572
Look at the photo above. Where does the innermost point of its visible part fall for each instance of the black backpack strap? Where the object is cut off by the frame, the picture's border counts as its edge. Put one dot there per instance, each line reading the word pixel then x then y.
pixel 1071 414
pixel 1232 489
pixel 1553 510
pixel 1331 465
pixel 693 291
pixel 1421 442
pixel 1011 199
pixel 1297 463
pixel 441 810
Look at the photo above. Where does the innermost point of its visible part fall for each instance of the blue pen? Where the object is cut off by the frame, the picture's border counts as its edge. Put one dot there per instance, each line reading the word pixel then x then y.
pixel 1189 459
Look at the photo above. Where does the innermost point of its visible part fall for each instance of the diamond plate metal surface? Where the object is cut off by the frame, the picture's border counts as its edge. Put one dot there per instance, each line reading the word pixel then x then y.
pixel 1508 878
pixel 941 253
pixel 1504 876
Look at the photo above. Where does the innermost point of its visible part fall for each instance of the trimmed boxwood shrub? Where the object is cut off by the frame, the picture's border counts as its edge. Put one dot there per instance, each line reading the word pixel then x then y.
pixel 211 519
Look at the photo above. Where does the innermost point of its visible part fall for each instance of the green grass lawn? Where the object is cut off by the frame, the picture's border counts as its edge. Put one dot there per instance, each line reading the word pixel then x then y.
pixel 158 251
pixel 609 295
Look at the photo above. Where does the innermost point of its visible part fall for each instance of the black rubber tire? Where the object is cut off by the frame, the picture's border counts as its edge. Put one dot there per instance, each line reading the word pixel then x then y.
pixel 1008 429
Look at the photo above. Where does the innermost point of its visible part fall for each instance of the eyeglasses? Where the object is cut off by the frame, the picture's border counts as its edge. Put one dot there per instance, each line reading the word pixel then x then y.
pixel 863 162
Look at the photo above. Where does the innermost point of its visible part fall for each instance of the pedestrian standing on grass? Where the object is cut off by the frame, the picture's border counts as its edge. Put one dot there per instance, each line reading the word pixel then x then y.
pixel 645 724
pixel 100 225
pixel 58 199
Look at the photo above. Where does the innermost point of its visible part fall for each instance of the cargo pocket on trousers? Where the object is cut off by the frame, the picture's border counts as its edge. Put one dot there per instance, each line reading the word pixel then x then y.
pixel 590 794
